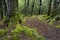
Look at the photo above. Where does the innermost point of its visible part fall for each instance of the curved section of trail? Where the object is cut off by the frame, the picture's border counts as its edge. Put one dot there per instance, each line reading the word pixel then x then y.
pixel 49 31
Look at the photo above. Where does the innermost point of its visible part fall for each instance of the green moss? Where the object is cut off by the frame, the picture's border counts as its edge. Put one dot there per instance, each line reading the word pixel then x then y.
pixel 21 30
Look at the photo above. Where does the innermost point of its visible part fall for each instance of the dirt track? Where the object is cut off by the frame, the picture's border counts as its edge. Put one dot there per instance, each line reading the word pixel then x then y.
pixel 49 31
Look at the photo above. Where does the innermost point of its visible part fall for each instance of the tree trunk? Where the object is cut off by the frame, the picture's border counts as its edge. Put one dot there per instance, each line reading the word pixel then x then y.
pixel 55 7
pixel 1 9
pixel 32 11
pixel 4 8
pixel 49 8
pixel 12 5
pixel 26 7
pixel 40 6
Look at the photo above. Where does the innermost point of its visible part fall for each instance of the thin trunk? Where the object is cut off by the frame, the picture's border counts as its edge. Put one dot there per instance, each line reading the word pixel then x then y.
pixel 55 7
pixel 49 8
pixel 1 14
pixel 55 4
pixel 1 9
pixel 40 6
pixel 33 6
pixel 27 6
pixel 4 8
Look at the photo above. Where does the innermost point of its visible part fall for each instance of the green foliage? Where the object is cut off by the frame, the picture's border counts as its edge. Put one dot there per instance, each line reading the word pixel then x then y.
pixel 2 21
pixel 21 30
pixel 51 21
pixel 2 32
pixel 15 37
pixel 58 26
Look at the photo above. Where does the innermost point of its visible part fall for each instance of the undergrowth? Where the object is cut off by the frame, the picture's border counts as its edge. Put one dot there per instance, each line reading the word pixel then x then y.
pixel 20 32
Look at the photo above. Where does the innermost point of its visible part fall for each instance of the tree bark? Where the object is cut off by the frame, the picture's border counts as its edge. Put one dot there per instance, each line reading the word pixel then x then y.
pixel 32 11
pixel 49 8
pixel 40 6
pixel 26 7
pixel 1 9
pixel 12 5
pixel 55 7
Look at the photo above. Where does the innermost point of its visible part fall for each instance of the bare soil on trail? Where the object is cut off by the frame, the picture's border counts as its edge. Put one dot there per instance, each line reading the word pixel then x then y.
pixel 49 31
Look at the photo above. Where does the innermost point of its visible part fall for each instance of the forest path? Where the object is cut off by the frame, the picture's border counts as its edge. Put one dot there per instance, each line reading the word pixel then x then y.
pixel 49 31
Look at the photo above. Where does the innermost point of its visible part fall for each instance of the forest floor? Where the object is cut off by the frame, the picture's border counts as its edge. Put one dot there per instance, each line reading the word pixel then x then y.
pixel 50 32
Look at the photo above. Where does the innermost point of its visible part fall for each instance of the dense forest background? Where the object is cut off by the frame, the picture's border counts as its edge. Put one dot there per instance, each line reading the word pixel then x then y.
pixel 17 15
pixel 49 7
